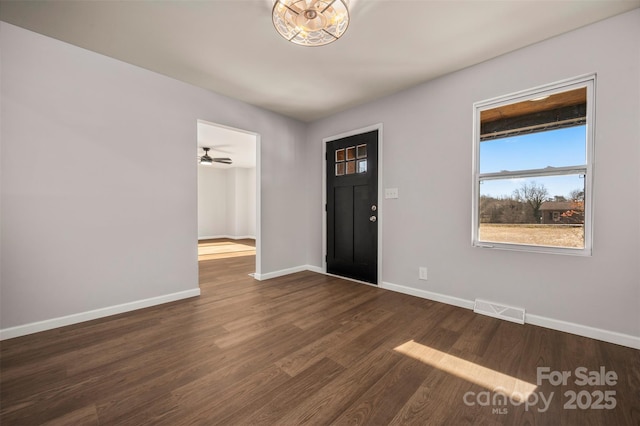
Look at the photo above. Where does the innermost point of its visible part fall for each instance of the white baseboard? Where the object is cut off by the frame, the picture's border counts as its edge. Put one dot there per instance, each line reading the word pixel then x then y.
pixel 567 327
pixel 584 330
pixel 280 273
pixel 35 327
pixel 229 237
pixel 283 272
pixel 316 269
pixel 438 297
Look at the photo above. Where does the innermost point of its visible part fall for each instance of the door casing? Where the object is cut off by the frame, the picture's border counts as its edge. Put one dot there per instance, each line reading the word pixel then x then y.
pixel 380 211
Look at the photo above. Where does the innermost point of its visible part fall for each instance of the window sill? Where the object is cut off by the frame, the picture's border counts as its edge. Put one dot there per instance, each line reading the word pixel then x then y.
pixel 533 249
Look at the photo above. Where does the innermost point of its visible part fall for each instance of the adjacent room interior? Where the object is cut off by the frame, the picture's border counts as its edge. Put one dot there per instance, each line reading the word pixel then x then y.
pixel 227 192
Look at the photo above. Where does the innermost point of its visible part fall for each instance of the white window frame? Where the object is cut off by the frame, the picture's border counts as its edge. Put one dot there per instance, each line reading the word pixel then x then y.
pixel 588 81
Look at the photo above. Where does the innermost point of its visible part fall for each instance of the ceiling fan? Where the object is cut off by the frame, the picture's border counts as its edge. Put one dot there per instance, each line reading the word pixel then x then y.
pixel 206 159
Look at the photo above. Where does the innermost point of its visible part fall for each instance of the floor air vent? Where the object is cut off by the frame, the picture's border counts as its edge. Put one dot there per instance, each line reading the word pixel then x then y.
pixel 496 310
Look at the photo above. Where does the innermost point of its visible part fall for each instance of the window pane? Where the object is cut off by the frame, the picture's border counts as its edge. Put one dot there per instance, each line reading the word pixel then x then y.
pixel 362 166
pixel 339 155
pixel 545 211
pixel 553 148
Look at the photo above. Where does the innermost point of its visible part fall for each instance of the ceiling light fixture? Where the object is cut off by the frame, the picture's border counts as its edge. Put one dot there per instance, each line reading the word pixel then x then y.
pixel 206 159
pixel 311 22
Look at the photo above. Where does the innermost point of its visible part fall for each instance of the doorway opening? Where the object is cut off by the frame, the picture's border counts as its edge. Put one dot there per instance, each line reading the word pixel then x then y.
pixel 228 193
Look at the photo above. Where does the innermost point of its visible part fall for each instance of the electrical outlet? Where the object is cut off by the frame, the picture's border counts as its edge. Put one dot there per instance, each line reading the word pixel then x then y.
pixel 422 273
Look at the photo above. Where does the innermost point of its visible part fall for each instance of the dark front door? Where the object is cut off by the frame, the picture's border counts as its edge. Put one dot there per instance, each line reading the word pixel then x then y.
pixel 352 207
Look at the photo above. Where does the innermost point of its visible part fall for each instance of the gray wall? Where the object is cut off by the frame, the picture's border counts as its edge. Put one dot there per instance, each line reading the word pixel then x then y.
pixel 226 202
pixel 98 180
pixel 427 154
pixel 212 202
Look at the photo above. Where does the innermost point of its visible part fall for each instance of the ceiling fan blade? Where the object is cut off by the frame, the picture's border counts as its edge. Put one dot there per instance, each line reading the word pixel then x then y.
pixel 225 160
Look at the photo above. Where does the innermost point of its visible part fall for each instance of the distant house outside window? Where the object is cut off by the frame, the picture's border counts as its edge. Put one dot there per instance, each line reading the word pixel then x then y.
pixel 533 156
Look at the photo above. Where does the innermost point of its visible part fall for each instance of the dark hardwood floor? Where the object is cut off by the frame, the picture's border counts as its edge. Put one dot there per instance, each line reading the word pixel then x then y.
pixel 307 349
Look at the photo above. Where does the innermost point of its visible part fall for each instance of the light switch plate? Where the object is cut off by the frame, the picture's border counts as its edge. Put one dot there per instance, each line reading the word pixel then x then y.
pixel 391 193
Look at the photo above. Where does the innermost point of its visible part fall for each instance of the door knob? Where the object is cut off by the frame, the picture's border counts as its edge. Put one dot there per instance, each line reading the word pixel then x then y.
pixel 373 218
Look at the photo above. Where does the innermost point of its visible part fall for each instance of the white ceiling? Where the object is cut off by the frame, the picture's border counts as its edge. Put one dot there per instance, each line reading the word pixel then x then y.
pixel 231 47
pixel 225 142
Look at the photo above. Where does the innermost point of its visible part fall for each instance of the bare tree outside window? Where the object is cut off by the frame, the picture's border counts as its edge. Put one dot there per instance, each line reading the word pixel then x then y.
pixel 533 195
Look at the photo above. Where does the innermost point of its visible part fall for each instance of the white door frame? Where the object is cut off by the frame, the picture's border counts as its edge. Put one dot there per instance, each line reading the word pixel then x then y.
pixel 258 190
pixel 380 211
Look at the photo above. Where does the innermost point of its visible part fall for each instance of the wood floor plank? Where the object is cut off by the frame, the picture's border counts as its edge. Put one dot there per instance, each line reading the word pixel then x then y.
pixel 302 349
pixel 326 405
pixel 423 406
pixel 279 400
pixel 365 321
pixel 354 301
pixel 388 395
pixel 221 397
pixel 84 416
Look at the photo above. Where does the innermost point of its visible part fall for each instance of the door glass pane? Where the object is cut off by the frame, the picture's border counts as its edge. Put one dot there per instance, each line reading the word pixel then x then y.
pixel 339 155
pixel 361 151
pixel 362 166
pixel 339 169
pixel 351 167
pixel 351 153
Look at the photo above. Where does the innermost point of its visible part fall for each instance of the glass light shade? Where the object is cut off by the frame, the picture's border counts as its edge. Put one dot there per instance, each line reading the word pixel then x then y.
pixel 311 22
pixel 205 159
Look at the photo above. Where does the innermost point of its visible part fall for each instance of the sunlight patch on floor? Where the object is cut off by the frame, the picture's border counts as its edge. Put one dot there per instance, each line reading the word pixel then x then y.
pixel 223 249
pixel 469 371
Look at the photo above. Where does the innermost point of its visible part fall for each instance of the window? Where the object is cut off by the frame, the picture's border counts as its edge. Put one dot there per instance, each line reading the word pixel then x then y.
pixel 346 160
pixel 533 155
